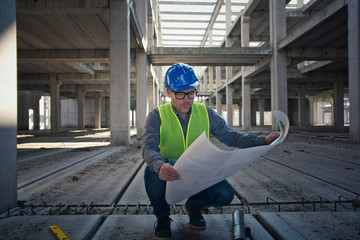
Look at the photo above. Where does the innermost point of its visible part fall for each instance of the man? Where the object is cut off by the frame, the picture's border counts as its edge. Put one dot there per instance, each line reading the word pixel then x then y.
pixel 169 130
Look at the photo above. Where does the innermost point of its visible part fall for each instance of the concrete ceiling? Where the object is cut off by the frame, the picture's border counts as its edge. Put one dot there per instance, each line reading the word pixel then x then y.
pixel 68 38
pixel 71 39
pixel 323 39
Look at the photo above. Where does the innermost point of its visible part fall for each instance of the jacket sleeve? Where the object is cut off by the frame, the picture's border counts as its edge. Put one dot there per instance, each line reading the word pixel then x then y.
pixel 150 147
pixel 229 136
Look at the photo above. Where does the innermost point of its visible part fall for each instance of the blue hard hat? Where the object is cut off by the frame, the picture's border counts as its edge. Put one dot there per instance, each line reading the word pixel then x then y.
pixel 180 76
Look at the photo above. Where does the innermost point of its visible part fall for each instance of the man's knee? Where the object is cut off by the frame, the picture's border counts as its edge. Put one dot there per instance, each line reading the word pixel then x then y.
pixel 225 194
pixel 229 196
pixel 155 188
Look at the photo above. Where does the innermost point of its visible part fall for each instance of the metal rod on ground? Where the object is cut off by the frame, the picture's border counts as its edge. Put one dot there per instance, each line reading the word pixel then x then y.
pixel 127 184
pixel 238 225
pixel 242 199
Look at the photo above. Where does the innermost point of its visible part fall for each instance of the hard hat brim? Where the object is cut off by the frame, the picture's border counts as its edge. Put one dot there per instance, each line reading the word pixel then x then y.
pixel 186 87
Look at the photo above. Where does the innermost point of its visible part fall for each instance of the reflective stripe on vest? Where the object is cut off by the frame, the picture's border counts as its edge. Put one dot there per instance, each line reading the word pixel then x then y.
pixel 172 141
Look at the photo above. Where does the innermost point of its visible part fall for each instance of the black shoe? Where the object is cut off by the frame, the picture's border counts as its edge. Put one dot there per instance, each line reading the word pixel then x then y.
pixel 162 229
pixel 197 221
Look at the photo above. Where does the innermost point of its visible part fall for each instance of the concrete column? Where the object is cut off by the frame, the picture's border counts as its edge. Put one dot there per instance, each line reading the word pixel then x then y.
pixel 218 103
pixel 8 106
pixel 245 31
pixel 229 89
pixel 36 105
pixel 141 92
pixel 98 98
pixel 354 68
pixel 229 98
pixel 228 16
pixel 218 95
pixel 316 112
pixel 240 114
pixel 254 102
pixel 151 93
pixel 154 94
pixel 211 103
pixel 245 83
pixel 55 103
pixel 217 77
pixel 158 101
pixel 202 84
pixel 155 100
pixel 246 105
pixel 211 79
pixel 81 113
pixel 120 72
pixel 301 107
pixel 278 64
pixel 229 104
pixel 229 41
pixel 150 31
pixel 141 73
pixel 205 82
pixel 261 110
pixel 312 115
pixel 107 111
pixel 338 106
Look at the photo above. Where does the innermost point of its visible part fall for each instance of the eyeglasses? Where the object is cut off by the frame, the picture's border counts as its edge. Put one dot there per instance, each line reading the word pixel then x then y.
pixel 181 95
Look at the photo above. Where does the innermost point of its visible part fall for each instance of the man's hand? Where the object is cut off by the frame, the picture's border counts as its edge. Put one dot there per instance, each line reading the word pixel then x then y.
pixel 168 173
pixel 271 137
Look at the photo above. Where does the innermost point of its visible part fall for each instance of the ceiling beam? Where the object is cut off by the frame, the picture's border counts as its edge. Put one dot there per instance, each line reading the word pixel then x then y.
pixel 62 7
pixel 212 21
pixel 250 7
pixel 313 22
pixel 134 23
pixel 208 56
pixel 186 3
pixel 314 54
pixel 63 56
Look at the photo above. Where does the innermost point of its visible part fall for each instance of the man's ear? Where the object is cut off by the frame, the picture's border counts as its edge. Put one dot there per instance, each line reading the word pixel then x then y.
pixel 168 92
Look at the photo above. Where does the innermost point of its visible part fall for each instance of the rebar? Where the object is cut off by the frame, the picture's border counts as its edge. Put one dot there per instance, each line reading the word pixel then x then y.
pixel 269 198
pixel 304 198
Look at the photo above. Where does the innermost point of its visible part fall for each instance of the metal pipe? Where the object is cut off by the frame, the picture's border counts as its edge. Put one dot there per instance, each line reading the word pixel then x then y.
pixel 238 225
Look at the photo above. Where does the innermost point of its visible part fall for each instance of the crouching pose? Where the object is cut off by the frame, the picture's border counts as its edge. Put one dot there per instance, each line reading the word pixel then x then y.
pixel 169 130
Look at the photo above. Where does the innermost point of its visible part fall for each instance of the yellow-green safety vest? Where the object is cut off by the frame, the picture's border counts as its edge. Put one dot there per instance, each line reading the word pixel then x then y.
pixel 172 141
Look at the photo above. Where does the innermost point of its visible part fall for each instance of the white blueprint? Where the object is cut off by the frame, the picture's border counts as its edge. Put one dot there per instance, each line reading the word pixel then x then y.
pixel 203 164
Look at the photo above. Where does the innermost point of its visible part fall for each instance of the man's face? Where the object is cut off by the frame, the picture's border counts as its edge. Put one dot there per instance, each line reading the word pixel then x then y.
pixel 181 106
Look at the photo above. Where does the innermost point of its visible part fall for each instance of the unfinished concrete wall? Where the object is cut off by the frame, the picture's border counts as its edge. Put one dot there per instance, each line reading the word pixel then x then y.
pixel 68 113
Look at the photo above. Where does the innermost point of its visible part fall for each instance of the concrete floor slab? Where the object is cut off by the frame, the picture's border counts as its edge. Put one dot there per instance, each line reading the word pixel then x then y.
pixel 37 227
pixel 314 225
pixel 307 175
pixel 98 180
pixel 262 179
pixel 337 164
pixel 142 227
